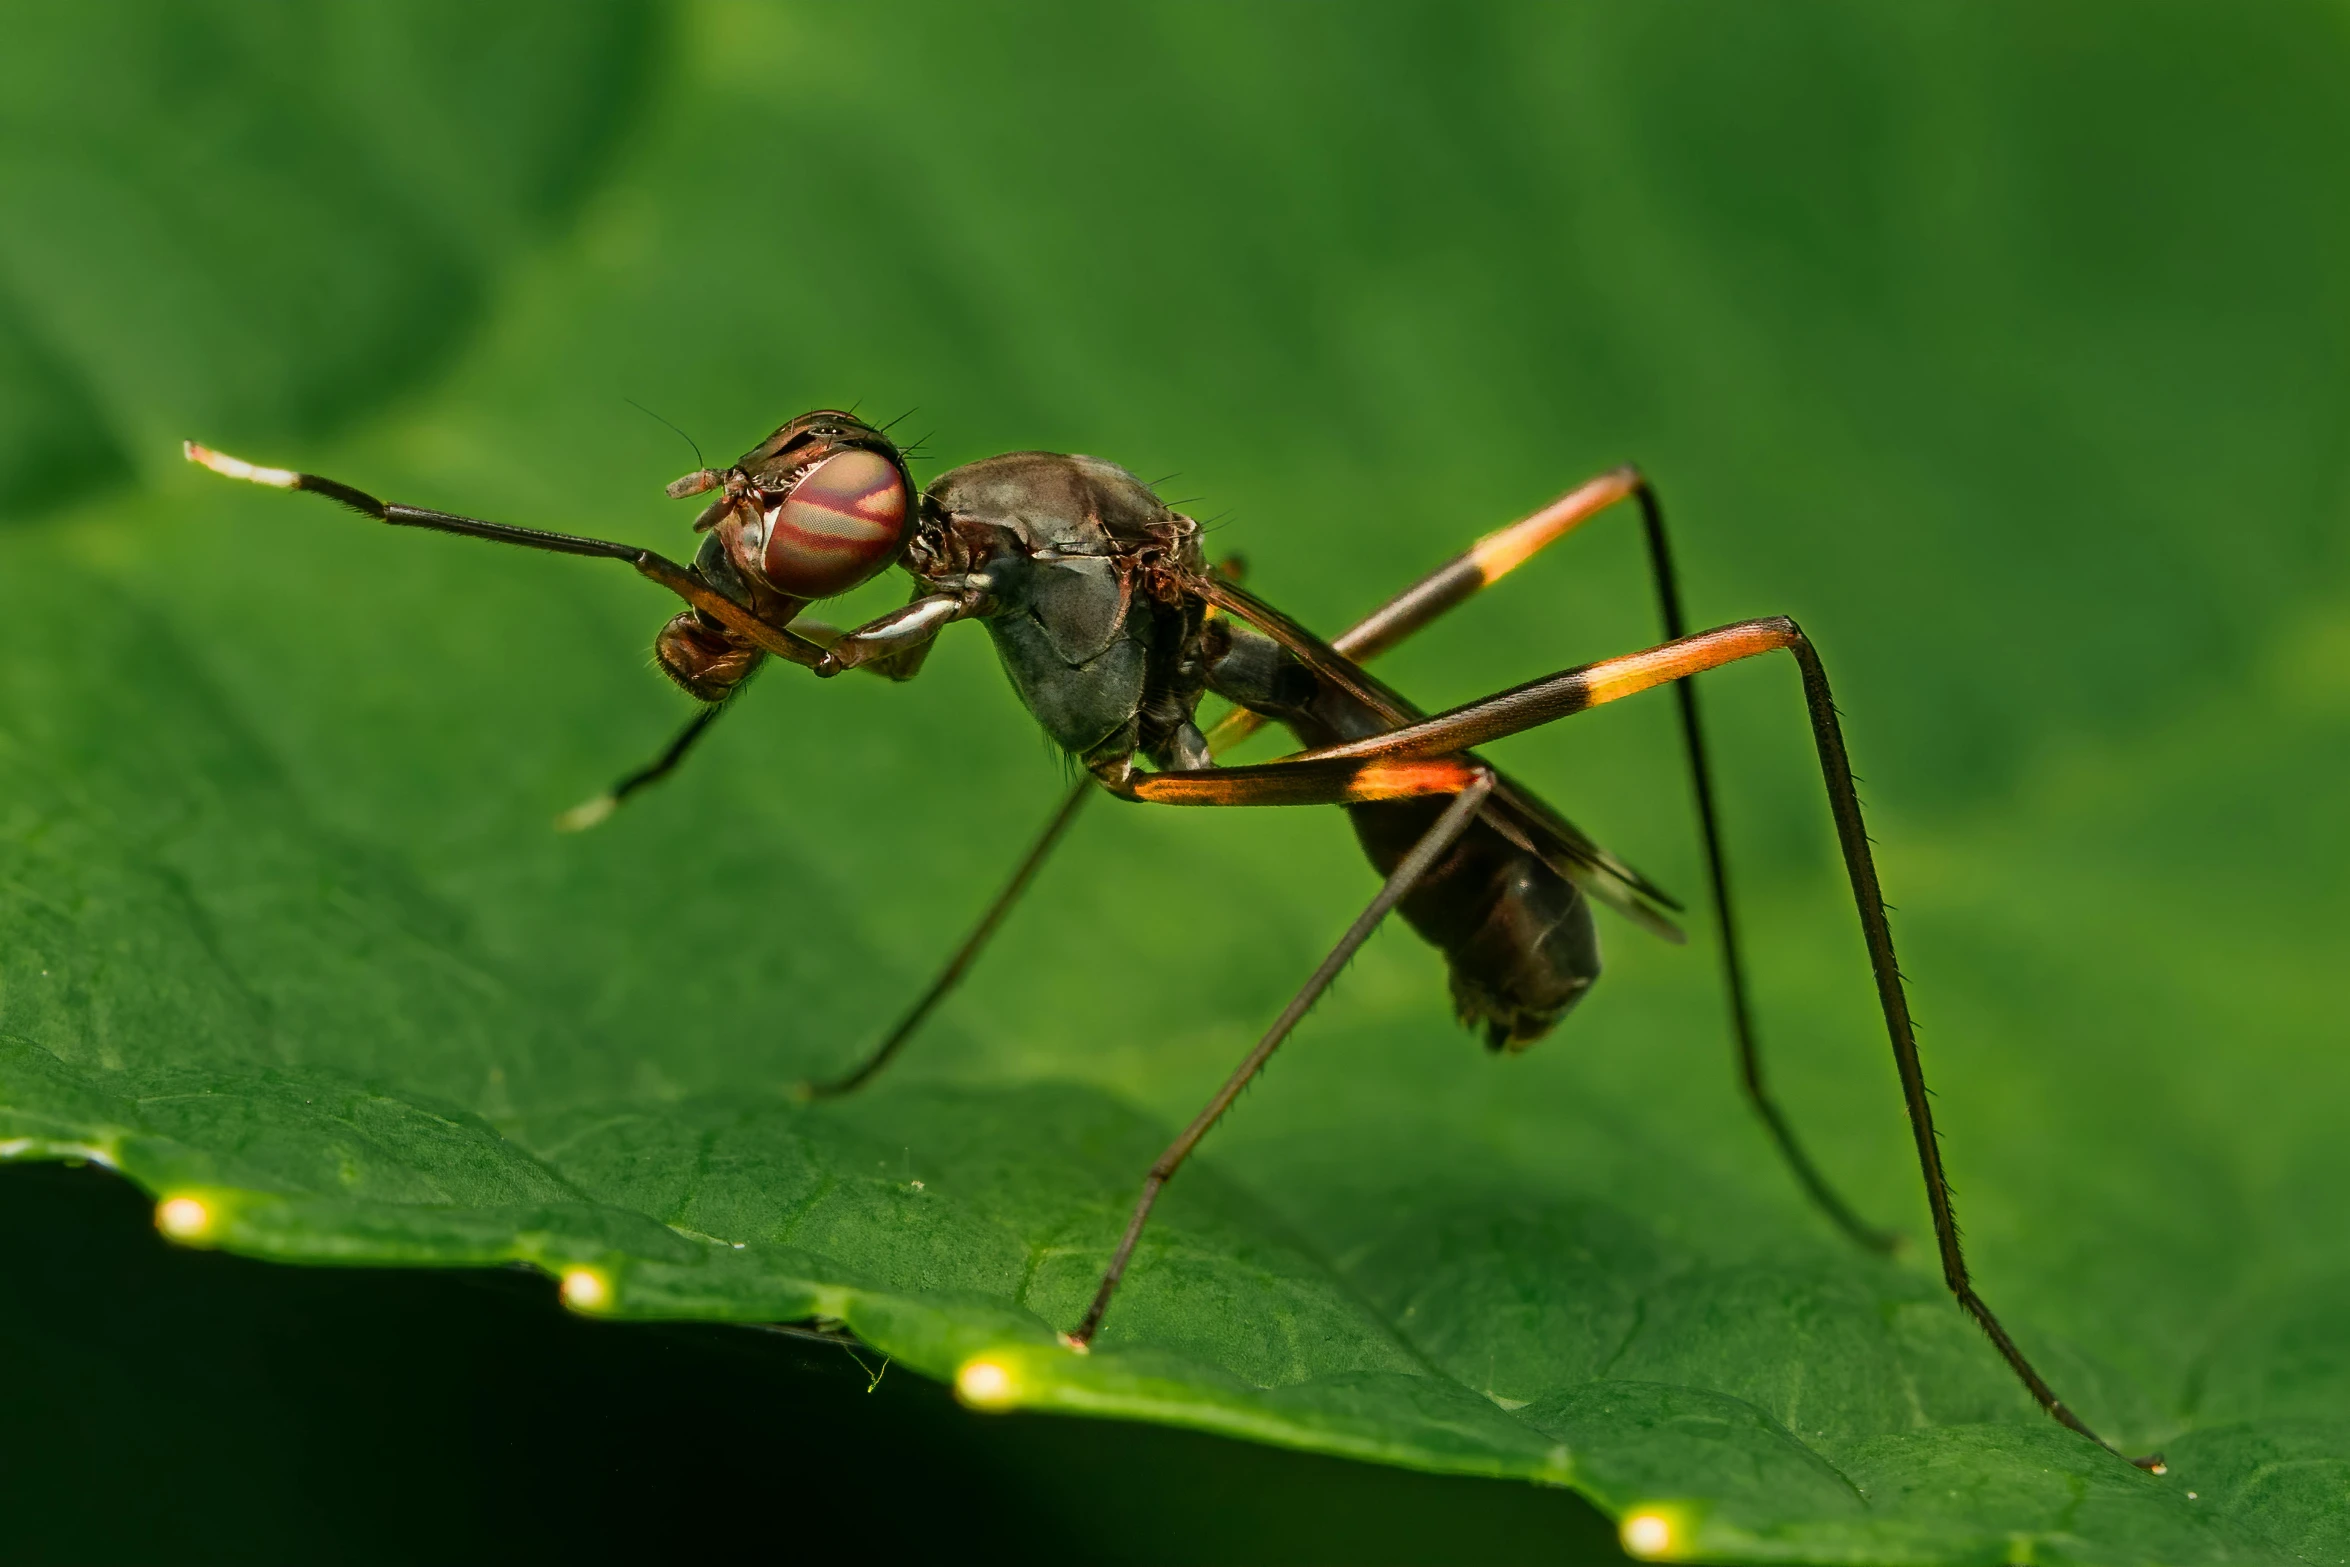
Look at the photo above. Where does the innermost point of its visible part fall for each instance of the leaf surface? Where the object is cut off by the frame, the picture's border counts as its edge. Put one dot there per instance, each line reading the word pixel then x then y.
pixel 264 223
pixel 1877 301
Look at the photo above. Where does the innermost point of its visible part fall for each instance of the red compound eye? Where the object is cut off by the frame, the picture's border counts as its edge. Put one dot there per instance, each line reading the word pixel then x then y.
pixel 840 524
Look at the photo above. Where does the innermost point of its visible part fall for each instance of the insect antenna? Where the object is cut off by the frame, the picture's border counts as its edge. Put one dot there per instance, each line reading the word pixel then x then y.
pixel 699 460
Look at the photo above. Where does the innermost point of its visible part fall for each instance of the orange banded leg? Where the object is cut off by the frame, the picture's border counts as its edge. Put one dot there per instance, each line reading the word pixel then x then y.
pixel 1340 782
pixel 1571 691
pixel 1477 568
pixel 1558 696
pixel 1480 566
pixel 1472 784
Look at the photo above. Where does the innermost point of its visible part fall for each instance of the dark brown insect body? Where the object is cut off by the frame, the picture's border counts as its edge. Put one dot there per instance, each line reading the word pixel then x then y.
pixel 1113 629
pixel 1095 615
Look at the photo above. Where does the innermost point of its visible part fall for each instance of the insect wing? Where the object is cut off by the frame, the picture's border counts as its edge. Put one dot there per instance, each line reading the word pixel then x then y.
pixel 1514 809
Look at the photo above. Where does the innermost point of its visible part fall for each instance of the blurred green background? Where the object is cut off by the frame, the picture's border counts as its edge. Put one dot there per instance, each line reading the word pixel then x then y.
pixel 2002 346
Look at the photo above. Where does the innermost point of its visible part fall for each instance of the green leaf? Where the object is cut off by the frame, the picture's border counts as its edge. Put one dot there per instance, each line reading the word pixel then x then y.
pixel 2005 353
pixel 261 223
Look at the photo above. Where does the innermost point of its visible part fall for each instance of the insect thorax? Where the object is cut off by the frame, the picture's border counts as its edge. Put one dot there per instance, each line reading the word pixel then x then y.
pixel 1084 569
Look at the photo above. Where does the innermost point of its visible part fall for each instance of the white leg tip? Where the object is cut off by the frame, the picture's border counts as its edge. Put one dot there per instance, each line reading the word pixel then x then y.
pixel 587 813
pixel 237 468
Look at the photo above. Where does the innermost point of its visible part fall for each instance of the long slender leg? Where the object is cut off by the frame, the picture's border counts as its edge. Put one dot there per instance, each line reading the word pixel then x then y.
pixel 1480 566
pixel 1425 853
pixel 589 812
pixel 965 955
pixel 680 580
pixel 1717 874
pixel 1460 579
pixel 1573 691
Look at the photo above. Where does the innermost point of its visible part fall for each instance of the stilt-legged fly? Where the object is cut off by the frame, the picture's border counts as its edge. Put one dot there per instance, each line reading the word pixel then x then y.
pixel 1113 627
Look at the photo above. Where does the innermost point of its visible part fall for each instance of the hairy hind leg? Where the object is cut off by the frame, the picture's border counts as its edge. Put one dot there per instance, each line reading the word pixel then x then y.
pixel 1439 741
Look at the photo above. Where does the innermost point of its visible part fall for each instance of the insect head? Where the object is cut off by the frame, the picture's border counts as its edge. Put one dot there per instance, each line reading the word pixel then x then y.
pixel 812 511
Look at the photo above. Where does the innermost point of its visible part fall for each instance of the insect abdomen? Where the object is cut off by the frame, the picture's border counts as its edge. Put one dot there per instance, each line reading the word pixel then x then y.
pixel 1517 936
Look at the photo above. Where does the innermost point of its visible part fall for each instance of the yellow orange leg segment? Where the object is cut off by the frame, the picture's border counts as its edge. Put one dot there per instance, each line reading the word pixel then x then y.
pixel 1303 783
pixel 1459 579
pixel 1571 691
